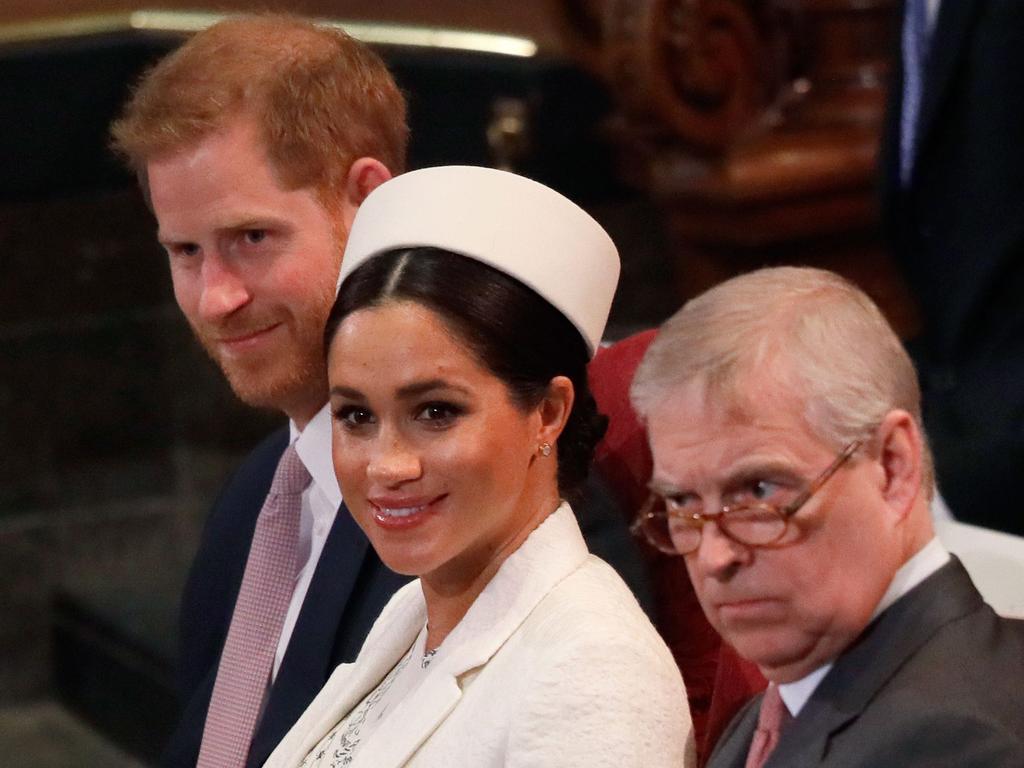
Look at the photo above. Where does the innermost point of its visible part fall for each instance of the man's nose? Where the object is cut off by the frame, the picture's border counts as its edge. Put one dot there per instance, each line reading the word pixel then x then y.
pixel 222 291
pixel 394 463
pixel 718 556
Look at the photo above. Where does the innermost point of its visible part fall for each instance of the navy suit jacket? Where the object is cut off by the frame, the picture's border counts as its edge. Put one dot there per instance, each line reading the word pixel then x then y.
pixel 349 588
pixel 936 680
pixel 957 232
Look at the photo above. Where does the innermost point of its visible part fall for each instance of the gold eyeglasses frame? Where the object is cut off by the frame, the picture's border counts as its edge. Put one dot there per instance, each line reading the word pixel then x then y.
pixel 648 516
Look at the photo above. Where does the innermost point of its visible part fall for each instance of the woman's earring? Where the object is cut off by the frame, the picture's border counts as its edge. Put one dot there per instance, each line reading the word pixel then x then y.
pixel 545 449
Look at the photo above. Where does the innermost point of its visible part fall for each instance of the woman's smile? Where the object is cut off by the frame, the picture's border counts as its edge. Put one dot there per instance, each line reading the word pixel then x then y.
pixel 401 514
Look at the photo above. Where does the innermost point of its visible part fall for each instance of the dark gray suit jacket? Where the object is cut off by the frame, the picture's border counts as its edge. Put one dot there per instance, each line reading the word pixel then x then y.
pixel 937 680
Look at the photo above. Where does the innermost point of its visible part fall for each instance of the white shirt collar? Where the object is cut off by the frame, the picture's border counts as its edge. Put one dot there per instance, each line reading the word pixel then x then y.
pixel 313 444
pixel 927 561
pixel 795 695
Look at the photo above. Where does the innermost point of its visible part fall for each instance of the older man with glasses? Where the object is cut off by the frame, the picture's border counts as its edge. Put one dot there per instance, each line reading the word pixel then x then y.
pixel 792 473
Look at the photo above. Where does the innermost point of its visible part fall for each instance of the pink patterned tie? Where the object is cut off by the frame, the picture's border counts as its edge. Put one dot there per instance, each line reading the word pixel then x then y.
pixel 770 721
pixel 266 591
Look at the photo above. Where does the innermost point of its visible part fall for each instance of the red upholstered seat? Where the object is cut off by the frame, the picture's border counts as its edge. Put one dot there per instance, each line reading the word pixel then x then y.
pixel 718 682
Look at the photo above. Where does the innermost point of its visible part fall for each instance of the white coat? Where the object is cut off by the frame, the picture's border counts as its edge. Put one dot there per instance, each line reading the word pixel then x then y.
pixel 554 664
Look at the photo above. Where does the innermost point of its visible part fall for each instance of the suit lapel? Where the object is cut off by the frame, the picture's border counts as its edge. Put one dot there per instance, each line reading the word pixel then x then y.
pixel 869 664
pixel 952 27
pixel 303 673
pixel 733 746
pixel 549 555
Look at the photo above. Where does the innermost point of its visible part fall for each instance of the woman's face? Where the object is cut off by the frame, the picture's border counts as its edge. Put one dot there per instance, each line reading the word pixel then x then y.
pixel 436 462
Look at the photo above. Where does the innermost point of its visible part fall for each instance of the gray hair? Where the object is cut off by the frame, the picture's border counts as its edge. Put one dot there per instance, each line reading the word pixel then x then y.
pixel 811 330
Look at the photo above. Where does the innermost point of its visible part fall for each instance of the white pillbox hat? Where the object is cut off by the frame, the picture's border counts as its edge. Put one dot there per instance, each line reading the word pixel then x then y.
pixel 512 223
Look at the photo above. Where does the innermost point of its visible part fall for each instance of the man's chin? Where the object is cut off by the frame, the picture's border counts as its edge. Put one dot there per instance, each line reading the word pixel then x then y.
pixel 259 391
pixel 275 377
pixel 781 657
pixel 289 388
pixel 258 397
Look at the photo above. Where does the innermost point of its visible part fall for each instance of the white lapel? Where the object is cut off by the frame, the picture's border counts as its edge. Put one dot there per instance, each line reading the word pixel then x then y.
pixel 410 724
pixel 553 551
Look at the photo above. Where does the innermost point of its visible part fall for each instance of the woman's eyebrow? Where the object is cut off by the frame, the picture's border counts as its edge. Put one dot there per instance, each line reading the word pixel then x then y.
pixel 347 392
pixel 406 392
pixel 419 388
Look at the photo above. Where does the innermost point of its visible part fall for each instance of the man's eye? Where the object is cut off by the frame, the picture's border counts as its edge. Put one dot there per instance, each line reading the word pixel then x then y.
pixel 682 503
pixel 183 249
pixel 438 414
pixel 353 416
pixel 255 236
pixel 759 492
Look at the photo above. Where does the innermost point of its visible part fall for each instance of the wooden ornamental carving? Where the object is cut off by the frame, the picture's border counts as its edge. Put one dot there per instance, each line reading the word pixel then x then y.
pixel 755 125
pixel 687 71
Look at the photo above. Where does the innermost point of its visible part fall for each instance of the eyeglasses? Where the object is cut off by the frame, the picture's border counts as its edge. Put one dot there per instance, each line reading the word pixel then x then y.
pixel 754 525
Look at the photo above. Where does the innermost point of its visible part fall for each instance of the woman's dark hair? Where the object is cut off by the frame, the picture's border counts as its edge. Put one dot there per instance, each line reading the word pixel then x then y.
pixel 517 335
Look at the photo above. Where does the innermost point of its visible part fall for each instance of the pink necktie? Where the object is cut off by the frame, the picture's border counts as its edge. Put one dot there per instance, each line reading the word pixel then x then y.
pixel 770 721
pixel 248 655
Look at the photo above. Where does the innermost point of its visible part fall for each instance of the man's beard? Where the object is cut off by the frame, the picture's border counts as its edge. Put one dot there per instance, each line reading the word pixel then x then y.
pixel 287 375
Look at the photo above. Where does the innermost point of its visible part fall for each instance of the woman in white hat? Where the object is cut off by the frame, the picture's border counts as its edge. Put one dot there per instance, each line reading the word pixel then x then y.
pixel 470 303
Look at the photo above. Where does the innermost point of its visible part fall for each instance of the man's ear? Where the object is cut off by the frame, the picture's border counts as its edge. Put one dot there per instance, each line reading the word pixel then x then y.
pixel 901 451
pixel 554 409
pixel 364 176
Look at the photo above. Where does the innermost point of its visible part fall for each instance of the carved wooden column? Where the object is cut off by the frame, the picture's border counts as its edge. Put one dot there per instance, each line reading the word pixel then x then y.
pixel 755 126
